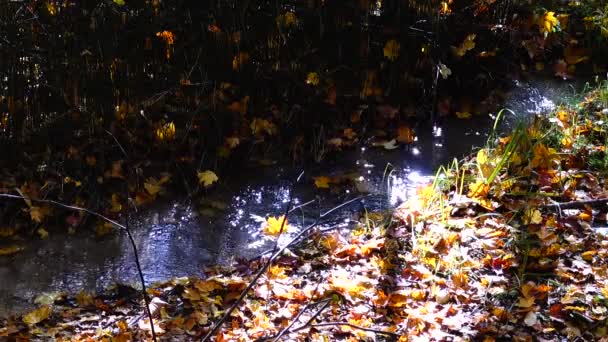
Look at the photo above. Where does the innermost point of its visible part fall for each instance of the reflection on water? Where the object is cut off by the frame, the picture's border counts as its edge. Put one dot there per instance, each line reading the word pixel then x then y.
pixel 179 239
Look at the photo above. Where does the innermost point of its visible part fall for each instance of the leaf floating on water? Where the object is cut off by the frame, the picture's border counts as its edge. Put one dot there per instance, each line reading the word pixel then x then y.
pixel 322 182
pixel 275 226
pixel 207 178
pixel 390 145
pixel 463 115
pixel 10 250
pixel 38 315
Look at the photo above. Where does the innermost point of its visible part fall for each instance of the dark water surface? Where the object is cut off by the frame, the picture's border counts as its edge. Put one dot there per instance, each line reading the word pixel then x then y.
pixel 177 239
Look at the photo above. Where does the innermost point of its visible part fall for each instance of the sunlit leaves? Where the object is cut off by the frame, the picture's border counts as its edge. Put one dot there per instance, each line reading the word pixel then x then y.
pixel 207 178
pixel 543 156
pixel 119 2
pixel 391 50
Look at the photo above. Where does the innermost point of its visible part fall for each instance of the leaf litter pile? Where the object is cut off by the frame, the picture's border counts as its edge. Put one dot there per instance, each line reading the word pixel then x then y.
pixel 500 247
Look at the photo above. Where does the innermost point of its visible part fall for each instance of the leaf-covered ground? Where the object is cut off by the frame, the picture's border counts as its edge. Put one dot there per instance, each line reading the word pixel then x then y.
pixel 499 247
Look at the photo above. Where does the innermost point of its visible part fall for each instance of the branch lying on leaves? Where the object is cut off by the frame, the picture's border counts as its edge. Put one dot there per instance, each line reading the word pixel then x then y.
pixel 595 203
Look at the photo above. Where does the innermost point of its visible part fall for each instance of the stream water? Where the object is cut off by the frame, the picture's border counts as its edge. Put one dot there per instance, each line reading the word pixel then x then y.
pixel 177 239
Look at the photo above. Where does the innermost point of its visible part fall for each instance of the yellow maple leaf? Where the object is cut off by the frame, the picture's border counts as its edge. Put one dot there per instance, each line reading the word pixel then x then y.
pixel 207 178
pixel 391 50
pixel 322 182
pixel 275 226
pixel 38 315
pixel 548 23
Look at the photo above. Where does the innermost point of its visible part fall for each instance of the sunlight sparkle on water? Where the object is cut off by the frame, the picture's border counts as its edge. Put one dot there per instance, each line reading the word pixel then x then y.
pixel 404 187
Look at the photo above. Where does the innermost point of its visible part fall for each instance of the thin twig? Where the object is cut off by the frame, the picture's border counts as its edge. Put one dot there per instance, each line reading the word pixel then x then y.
pixel 595 203
pixel 67 206
pixel 312 318
pixel 132 241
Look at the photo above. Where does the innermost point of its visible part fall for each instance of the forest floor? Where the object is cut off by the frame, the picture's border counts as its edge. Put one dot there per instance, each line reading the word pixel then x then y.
pixel 501 246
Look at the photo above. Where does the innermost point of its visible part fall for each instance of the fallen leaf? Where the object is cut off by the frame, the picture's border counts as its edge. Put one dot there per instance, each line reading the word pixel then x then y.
pixel 38 315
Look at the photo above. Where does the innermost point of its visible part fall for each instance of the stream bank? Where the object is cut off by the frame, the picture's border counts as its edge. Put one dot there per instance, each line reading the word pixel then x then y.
pixel 178 239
